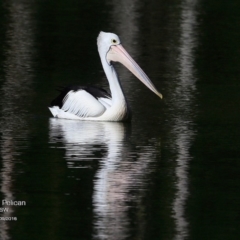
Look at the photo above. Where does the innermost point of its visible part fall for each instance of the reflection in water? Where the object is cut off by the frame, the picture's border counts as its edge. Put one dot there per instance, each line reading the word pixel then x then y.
pixel 184 103
pixel 124 20
pixel 83 139
pixel 15 89
pixel 124 23
pixel 119 174
pixel 121 179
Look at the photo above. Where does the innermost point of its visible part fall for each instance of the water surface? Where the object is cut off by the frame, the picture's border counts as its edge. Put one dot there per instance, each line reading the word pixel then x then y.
pixel 172 173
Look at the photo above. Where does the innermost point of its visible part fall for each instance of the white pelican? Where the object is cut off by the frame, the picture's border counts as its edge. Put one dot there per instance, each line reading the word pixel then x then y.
pixel 91 103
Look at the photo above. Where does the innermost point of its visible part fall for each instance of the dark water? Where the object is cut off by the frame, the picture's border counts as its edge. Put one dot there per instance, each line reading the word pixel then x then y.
pixel 173 173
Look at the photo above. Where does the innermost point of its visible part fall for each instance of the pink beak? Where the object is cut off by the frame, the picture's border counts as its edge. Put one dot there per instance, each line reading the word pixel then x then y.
pixel 118 54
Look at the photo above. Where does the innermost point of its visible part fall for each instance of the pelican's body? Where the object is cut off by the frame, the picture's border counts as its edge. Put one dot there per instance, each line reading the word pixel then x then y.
pixel 91 103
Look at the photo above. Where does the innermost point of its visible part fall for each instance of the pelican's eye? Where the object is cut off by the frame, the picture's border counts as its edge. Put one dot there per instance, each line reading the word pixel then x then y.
pixel 114 41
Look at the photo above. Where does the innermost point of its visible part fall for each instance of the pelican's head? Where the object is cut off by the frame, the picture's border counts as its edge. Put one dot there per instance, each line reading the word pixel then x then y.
pixel 109 46
pixel 106 40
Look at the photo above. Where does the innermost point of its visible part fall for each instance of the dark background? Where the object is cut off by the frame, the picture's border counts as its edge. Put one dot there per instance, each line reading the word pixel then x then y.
pixel 173 173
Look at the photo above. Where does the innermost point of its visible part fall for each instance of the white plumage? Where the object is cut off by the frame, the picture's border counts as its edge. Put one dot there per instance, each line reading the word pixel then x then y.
pixel 82 104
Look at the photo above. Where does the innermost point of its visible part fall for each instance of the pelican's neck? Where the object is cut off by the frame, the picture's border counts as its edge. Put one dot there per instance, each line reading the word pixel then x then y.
pixel 114 84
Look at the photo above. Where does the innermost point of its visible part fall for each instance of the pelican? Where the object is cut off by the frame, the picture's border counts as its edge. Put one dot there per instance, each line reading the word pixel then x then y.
pixel 95 104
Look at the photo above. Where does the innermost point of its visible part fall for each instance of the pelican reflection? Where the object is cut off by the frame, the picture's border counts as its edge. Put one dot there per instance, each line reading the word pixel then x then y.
pixel 121 179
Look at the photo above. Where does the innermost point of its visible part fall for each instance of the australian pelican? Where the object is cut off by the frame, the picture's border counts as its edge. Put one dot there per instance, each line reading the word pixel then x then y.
pixel 91 103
